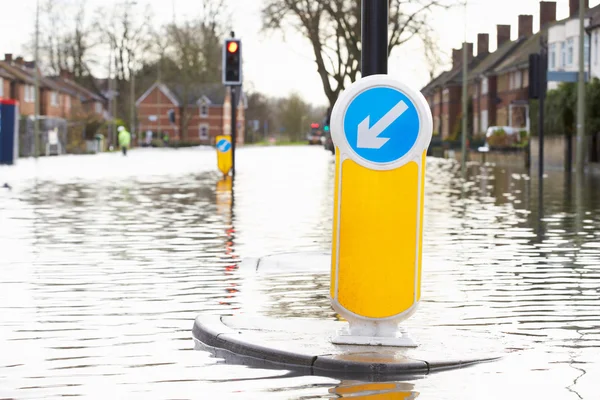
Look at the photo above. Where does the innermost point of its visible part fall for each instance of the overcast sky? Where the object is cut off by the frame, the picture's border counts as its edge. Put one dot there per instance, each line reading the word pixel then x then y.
pixel 270 61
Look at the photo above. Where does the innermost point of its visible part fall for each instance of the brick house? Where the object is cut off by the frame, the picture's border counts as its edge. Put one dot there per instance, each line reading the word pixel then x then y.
pixel 6 80
pixel 205 109
pixel 55 101
pixel 497 81
pixel 78 100
pixel 483 81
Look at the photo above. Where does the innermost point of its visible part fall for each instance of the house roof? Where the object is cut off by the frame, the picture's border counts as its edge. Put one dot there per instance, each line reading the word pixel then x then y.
pixel 5 74
pixel 493 59
pixel 519 58
pixel 435 82
pixel 26 74
pixel 76 89
pixel 594 15
pixel 212 93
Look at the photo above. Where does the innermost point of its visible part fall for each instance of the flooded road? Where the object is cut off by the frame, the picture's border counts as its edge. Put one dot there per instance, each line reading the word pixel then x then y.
pixel 106 260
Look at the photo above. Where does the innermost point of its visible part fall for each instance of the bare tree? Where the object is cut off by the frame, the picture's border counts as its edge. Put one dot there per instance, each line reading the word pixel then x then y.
pixel 333 29
pixel 194 47
pixel 66 37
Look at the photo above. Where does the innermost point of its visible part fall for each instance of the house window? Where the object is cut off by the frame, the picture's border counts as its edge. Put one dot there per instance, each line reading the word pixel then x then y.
pixel 54 99
pixel 445 95
pixel 552 57
pixel 29 94
pixel 518 81
pixel 484 120
pixel 475 123
pixel 1 87
pixel 203 131
pixel 204 111
pixel 570 50
pixel 586 49
pixel 68 102
pixel 98 107
pixel 563 54
pixel 484 86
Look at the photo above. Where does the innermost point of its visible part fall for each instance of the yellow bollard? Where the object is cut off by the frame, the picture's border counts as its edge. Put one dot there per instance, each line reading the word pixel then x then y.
pixel 381 129
pixel 224 154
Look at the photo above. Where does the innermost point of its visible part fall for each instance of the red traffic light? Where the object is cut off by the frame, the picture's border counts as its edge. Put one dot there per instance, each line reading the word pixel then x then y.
pixel 232 47
pixel 314 125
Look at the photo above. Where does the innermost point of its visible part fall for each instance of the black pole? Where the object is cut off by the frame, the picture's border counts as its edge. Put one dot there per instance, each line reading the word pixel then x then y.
pixel 233 128
pixel 374 56
pixel 543 67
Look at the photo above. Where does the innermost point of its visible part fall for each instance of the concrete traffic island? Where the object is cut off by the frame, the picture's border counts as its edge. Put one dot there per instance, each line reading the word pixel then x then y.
pixel 304 344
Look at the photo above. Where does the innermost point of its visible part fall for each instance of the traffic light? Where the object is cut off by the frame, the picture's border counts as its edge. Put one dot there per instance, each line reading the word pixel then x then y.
pixel 232 62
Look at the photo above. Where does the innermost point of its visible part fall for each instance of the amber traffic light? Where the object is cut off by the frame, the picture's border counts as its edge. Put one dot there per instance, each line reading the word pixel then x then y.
pixel 232 62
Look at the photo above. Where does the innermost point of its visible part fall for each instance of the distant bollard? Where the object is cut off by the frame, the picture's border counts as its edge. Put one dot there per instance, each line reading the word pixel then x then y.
pixel 224 154
pixel 381 129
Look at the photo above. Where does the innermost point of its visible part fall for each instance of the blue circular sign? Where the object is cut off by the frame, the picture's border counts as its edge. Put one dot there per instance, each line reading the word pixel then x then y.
pixel 223 145
pixel 381 124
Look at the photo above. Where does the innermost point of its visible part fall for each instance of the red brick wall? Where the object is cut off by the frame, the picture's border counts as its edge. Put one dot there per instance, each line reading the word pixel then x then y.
pixel 24 107
pixel 6 88
pixel 157 103
pixel 214 120
pixel 46 107
pixel 451 110
pixel 507 96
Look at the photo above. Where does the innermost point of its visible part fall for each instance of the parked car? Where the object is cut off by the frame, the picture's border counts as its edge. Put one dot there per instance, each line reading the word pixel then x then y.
pixel 503 136
pixel 315 134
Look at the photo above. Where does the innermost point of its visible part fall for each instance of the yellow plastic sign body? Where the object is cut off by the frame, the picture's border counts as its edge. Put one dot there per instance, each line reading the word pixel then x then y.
pixel 381 130
pixel 224 153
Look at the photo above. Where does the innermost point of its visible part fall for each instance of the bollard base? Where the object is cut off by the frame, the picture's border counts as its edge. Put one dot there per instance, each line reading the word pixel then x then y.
pixel 400 338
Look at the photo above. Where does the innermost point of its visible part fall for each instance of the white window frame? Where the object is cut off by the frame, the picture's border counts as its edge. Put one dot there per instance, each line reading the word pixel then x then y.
pixel 518 80
pixel 570 51
pixel 563 54
pixel 204 110
pixel 1 87
pixel 98 107
pixel 207 127
pixel 596 49
pixel 54 99
pixel 552 57
pixel 68 102
pixel 484 86
pixel 586 49
pixel 29 95
pixel 483 120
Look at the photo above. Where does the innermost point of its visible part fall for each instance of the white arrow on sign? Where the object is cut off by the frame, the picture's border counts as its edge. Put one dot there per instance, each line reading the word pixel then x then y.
pixel 368 138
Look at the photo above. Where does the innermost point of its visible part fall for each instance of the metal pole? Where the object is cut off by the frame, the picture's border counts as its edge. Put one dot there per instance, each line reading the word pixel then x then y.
pixel 581 94
pixel 465 103
pixel 132 99
pixel 374 54
pixel 233 128
pixel 543 70
pixel 36 121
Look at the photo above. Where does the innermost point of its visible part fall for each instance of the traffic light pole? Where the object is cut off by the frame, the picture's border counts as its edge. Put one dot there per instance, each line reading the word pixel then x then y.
pixel 233 127
pixel 374 54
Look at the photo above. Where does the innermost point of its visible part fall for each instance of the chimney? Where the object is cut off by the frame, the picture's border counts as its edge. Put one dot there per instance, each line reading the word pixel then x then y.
pixel 547 13
pixel 8 57
pixel 65 74
pixel 456 58
pixel 525 25
pixel 502 34
pixel 483 44
pixel 20 60
pixel 457 55
pixel 574 7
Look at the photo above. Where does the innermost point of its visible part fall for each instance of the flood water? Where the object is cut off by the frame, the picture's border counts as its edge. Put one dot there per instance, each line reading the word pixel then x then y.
pixel 106 260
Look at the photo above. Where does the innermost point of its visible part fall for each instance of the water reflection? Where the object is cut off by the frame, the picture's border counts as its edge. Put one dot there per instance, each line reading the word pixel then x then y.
pixel 382 390
pixel 106 261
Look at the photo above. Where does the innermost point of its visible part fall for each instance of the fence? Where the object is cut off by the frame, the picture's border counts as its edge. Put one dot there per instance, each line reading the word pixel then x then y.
pixel 46 124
